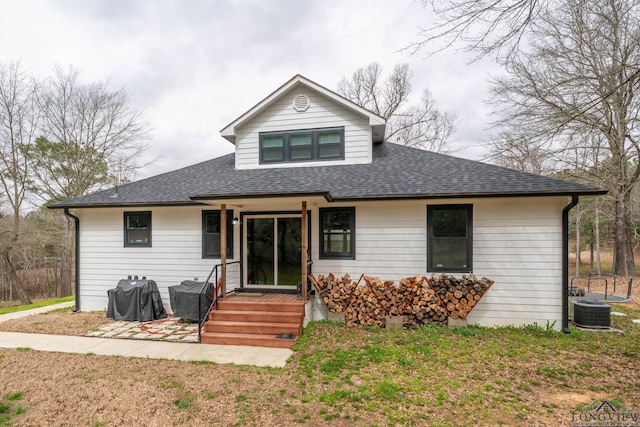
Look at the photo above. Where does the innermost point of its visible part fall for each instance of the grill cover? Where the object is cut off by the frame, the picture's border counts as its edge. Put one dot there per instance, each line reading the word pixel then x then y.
pixel 184 299
pixel 135 300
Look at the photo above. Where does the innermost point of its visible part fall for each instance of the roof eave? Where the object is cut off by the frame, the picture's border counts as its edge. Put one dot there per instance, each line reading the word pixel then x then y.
pixel 229 131
pixel 124 205
pixel 228 196
pixel 196 200
pixel 432 196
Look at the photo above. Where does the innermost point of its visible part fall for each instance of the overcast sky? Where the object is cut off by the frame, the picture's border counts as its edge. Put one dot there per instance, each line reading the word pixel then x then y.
pixel 194 66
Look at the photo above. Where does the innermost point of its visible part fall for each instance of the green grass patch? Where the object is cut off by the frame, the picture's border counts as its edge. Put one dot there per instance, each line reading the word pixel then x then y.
pixel 387 390
pixel 184 402
pixel 14 396
pixel 7 411
pixel 448 376
pixel 37 305
pixel 338 396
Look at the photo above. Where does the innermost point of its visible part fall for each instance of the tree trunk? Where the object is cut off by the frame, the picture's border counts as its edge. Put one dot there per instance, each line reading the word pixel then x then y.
pixel 597 237
pixel 13 277
pixel 623 244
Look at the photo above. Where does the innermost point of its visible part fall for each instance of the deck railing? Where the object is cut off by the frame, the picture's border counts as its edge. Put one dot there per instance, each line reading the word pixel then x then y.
pixel 214 274
pixel 602 278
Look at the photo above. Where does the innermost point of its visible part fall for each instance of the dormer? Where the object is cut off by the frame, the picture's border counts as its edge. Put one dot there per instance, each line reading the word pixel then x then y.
pixel 303 124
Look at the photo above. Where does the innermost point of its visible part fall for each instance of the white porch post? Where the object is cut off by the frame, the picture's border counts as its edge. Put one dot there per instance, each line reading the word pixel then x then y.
pixel 223 248
pixel 305 233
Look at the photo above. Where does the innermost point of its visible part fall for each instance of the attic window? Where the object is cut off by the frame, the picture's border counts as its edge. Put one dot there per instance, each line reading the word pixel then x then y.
pixel 302 145
pixel 301 103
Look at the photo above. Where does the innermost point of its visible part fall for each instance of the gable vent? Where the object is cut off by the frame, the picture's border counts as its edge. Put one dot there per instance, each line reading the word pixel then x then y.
pixel 301 103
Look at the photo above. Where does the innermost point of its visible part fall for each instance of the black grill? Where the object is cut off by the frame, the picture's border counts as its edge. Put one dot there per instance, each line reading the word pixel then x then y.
pixel 187 302
pixel 135 300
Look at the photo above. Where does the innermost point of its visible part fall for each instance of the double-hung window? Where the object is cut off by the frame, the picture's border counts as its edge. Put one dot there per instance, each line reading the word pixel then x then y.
pixel 330 145
pixel 337 233
pixel 449 238
pixel 211 229
pixel 137 229
pixel 272 148
pixel 302 146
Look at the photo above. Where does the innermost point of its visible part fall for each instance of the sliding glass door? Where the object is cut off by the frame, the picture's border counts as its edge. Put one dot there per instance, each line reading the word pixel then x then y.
pixel 272 250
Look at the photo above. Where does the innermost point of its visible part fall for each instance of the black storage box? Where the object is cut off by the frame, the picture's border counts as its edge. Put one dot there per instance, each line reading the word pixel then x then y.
pixel 135 300
pixel 185 299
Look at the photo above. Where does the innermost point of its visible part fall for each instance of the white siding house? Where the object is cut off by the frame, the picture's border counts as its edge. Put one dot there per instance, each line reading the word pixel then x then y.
pixel 369 204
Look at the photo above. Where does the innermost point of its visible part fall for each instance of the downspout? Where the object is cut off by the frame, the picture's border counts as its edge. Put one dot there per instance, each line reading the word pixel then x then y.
pixel 76 220
pixel 565 263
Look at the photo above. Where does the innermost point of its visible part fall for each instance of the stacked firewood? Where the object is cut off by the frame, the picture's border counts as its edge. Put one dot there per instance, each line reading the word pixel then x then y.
pixel 459 296
pixel 425 306
pixel 393 298
pixel 364 308
pixel 417 299
pixel 377 300
pixel 334 291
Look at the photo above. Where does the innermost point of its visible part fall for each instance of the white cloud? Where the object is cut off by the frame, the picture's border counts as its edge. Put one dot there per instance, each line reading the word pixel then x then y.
pixel 192 67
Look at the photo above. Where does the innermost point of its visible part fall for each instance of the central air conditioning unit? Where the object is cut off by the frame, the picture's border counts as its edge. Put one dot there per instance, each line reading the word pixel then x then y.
pixel 592 314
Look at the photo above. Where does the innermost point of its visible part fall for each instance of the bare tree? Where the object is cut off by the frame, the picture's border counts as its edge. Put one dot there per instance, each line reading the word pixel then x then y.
pixel 17 127
pixel 89 136
pixel 422 125
pixel 483 26
pixel 575 92
pixel 517 152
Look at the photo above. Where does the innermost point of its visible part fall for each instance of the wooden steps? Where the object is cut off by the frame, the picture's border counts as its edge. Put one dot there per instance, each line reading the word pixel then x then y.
pixel 271 328
pixel 255 321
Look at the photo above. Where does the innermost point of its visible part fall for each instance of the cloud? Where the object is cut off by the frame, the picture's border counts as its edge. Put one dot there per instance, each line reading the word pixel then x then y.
pixel 192 67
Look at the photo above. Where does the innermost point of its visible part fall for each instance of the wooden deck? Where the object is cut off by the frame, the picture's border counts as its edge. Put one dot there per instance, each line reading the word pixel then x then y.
pixel 262 297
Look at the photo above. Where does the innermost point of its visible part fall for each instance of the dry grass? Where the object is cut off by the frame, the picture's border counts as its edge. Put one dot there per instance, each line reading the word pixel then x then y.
pixel 341 376
pixel 61 322
pixel 338 376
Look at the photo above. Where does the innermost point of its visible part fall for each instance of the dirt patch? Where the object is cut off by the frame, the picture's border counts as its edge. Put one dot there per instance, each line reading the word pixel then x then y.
pixel 58 323
pixel 579 400
pixel 85 390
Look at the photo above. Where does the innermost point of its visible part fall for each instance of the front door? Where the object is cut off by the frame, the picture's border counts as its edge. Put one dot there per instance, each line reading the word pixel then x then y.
pixel 272 248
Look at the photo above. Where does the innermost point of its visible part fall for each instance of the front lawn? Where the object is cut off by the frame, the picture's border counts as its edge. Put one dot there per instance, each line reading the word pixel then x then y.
pixel 37 304
pixel 343 376
pixel 508 376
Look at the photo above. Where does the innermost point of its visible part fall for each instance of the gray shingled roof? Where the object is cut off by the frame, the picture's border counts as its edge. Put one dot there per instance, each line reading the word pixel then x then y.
pixel 397 172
